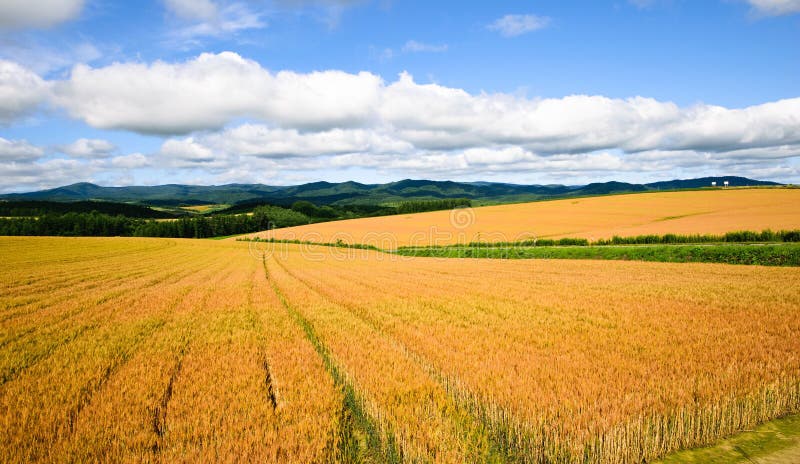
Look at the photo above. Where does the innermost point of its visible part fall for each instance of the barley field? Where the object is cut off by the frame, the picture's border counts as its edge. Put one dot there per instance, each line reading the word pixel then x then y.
pixel 162 350
pixel 688 212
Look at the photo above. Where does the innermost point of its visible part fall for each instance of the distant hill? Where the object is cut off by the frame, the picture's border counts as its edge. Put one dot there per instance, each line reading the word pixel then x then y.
pixel 733 181
pixel 35 208
pixel 606 188
pixel 353 193
pixel 170 194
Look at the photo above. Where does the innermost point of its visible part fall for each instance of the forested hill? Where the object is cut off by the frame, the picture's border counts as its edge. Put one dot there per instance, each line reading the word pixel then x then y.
pixel 354 193
pixel 36 208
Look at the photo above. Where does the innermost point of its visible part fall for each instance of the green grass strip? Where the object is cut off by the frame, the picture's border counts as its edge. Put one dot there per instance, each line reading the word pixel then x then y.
pixel 777 441
pixel 762 254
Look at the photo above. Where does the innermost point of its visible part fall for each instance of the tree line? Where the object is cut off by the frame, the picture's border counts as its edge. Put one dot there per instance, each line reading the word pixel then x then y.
pixel 37 208
pixel 96 224
pixel 110 219
pixel 421 206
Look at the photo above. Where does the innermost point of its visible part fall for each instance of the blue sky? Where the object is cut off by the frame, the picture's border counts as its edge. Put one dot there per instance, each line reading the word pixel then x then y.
pixel 289 91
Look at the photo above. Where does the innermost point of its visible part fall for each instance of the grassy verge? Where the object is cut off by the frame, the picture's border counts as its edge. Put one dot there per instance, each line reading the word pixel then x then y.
pixel 223 237
pixel 776 441
pixel 337 244
pixel 760 254
pixel 777 249
pixel 741 236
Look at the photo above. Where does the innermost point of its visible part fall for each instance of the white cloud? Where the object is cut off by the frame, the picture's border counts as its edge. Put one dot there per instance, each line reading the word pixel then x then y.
pixel 412 46
pixel 195 20
pixel 255 140
pixel 25 176
pixel 43 57
pixel 25 167
pixel 262 141
pixel 775 7
pixel 18 151
pixel 132 161
pixel 89 148
pixel 20 14
pixel 307 122
pixel 21 91
pixel 229 21
pixel 433 116
pixel 188 152
pixel 209 91
pixel 213 90
pixel 513 25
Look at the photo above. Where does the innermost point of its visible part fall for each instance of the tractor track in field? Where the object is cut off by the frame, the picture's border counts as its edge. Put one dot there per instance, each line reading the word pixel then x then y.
pixel 257 326
pixel 146 333
pixel 88 391
pixel 501 435
pixel 84 329
pixel 160 411
pixel 353 408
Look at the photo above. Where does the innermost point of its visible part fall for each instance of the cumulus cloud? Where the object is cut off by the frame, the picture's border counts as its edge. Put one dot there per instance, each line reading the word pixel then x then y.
pixel 19 14
pixel 512 25
pixel 266 142
pixel 775 7
pixel 412 46
pixel 89 148
pixel 25 166
pixel 255 140
pixel 432 116
pixel 329 119
pixel 46 174
pixel 132 161
pixel 188 152
pixel 18 151
pixel 21 91
pixel 209 91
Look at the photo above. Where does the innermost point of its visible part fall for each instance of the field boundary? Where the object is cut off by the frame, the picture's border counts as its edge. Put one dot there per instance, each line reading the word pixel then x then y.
pixel 765 248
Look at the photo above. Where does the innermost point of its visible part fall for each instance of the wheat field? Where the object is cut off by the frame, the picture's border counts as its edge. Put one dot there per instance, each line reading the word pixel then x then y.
pixel 688 212
pixel 153 350
pixel 159 350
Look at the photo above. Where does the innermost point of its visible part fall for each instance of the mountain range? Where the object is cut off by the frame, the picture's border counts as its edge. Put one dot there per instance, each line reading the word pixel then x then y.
pixel 354 193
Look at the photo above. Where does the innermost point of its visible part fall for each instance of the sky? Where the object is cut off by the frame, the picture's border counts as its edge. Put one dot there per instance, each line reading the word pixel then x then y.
pixel 284 92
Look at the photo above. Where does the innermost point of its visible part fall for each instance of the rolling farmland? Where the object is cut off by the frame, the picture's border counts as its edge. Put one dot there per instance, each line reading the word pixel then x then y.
pixel 688 212
pixel 165 350
pixel 397 232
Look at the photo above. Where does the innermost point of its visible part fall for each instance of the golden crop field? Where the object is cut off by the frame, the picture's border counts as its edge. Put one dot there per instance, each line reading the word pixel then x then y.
pixel 165 350
pixel 689 212
pixel 153 350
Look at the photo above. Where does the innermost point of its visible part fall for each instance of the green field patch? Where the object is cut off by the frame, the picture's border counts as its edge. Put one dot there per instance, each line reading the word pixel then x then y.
pixel 777 441
pixel 750 254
